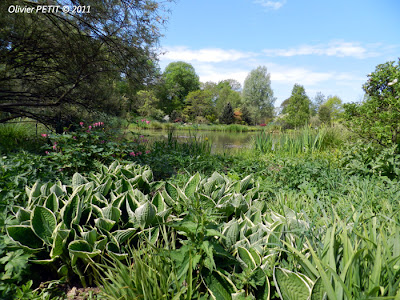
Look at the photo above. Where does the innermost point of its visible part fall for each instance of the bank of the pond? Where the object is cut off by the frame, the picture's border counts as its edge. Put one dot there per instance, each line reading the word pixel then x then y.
pixel 146 124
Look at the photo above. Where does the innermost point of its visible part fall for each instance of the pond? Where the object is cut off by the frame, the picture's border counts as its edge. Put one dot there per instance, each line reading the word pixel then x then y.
pixel 221 141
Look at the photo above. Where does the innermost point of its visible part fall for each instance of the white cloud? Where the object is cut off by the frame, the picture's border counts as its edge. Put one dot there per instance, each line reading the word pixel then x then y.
pixel 275 5
pixel 203 55
pixel 336 48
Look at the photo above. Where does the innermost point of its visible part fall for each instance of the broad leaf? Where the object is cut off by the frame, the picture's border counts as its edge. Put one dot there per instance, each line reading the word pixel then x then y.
pixel 43 223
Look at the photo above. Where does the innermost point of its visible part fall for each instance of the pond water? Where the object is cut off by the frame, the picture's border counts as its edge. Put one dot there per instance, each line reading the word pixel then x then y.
pixel 221 141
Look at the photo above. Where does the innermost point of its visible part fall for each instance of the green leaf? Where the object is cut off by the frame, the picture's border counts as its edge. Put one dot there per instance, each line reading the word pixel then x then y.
pixel 105 224
pixel 52 202
pixel 171 191
pixel 43 223
pixel 82 249
pixel 208 250
pixel 145 214
pixel 192 184
pixel 59 242
pixel 247 258
pixel 290 285
pixel 24 236
pixel 158 202
pixel 122 235
pixel 147 176
pixel 318 290
pixel 244 183
pixel 231 233
pixel 23 215
pixel 90 236
pixel 219 287
pixel 78 179
pixel 71 211
pixel 111 212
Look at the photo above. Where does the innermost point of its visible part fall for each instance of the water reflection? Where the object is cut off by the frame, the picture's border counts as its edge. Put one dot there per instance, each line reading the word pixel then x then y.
pixel 221 141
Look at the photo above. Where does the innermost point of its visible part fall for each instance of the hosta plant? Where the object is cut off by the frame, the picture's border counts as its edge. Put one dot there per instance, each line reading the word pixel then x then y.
pixel 69 226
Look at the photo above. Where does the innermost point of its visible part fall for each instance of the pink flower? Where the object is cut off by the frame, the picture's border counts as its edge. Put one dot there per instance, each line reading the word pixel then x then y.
pixel 55 146
pixel 147 151
pixel 147 122
pixel 102 142
pixel 90 127
pixel 44 135
pixel 74 137
pixel 143 120
pixel 101 123
pixel 132 153
pixel 81 123
pixel 46 152
pixel 139 153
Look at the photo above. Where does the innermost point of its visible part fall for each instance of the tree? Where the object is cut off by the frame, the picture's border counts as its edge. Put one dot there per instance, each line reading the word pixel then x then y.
pixel 53 65
pixel 225 94
pixel 316 103
pixel 227 116
pixel 324 114
pixel 148 105
pixel 199 104
pixel 377 118
pixel 336 107
pixel 298 109
pixel 179 79
pixel 246 117
pixel 258 95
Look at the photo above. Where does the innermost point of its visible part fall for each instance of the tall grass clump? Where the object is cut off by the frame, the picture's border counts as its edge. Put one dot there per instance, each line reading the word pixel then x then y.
pixel 22 135
pixel 306 140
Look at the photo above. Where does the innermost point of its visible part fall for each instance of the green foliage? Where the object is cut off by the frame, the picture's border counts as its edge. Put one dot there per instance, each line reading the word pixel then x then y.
pixel 306 140
pixel 148 105
pixel 369 159
pixel 324 114
pixel 179 79
pixel 19 136
pixel 198 104
pixel 89 145
pixel 335 105
pixel 14 268
pixel 376 119
pixel 81 68
pixel 246 116
pixel 258 95
pixel 297 111
pixel 227 116
pixel 70 225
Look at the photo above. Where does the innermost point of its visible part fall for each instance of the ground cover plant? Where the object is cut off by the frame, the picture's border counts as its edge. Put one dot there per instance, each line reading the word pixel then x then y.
pixel 268 224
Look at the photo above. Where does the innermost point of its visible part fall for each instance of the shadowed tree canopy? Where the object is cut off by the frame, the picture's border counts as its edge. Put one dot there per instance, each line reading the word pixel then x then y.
pixel 54 64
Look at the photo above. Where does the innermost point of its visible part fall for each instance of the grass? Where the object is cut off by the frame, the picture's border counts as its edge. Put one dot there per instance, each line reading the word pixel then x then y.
pixel 20 135
pixel 306 140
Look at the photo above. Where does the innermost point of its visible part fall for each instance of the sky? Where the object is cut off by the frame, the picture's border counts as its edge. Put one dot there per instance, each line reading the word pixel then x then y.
pixel 328 46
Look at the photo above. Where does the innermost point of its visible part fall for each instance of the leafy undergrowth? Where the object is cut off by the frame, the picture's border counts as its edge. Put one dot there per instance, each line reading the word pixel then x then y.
pixel 213 237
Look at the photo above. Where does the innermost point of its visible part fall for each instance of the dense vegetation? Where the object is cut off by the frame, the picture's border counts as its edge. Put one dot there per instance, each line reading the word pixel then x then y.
pixel 309 211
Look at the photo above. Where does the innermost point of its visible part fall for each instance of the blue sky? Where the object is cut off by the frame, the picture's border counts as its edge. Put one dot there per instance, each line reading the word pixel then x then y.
pixel 326 46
